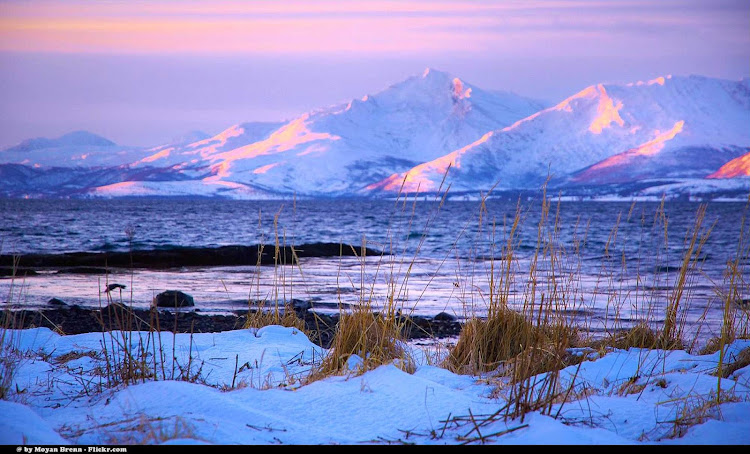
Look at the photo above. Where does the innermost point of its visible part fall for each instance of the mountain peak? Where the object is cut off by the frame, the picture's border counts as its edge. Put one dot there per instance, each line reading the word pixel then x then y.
pixel 457 87
pixel 435 74
pixel 71 139
pixel 433 82
pixel 77 138
pixel 661 80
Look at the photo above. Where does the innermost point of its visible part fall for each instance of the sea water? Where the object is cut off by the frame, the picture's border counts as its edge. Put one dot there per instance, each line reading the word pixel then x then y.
pixel 604 263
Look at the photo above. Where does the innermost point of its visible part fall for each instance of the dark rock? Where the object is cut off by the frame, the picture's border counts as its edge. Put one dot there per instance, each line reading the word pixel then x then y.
pixel 425 327
pixel 173 298
pixel 444 317
pixel 11 271
pixel 301 305
pixel 177 257
pixel 56 302
pixel 115 306
pixel 83 270
pixel 328 305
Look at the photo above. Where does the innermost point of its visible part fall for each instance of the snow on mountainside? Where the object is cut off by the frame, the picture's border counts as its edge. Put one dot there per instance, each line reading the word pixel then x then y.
pixel 341 149
pixel 669 134
pixel 187 188
pixel 196 154
pixel 737 189
pixel 75 149
pixel 669 127
pixel 18 180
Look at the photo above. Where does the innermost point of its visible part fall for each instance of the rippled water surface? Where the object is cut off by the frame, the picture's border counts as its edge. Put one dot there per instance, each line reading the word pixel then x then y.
pixel 613 260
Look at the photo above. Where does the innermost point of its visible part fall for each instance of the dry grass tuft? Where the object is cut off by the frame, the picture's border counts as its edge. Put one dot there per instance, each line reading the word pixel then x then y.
pixel 376 338
pixel 74 355
pixel 10 356
pixel 713 345
pixel 631 386
pixel 742 360
pixel 142 430
pixel 697 409
pixel 485 344
pixel 639 336
pixel 507 338
pixel 9 361
pixel 286 317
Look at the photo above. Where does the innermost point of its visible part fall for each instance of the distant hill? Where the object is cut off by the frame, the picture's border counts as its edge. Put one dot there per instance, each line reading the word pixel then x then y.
pixel 71 139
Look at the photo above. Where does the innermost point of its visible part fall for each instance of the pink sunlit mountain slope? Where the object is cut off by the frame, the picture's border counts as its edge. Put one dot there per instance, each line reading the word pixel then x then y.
pixel 738 167
pixel 341 149
pixel 194 154
pixel 669 127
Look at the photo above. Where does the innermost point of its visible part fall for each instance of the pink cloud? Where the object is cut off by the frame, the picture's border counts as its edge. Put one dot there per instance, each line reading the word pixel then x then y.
pixel 358 27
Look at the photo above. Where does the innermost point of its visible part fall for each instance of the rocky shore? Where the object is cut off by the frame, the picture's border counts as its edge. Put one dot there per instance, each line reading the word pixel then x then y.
pixel 74 319
pixel 77 320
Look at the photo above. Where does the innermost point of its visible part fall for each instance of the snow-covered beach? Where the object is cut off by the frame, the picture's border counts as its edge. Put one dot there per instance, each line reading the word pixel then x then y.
pixel 248 387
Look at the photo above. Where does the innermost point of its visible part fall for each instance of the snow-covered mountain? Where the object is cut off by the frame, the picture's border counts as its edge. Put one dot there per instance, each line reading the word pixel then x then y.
pixel 670 134
pixel 669 127
pixel 75 149
pixel 341 149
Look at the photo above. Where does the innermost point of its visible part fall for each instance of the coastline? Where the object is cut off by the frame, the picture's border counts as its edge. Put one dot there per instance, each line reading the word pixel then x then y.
pixel 73 319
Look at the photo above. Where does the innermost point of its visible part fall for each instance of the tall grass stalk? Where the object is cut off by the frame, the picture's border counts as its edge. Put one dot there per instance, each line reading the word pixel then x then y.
pixel 671 334
pixel 732 299
pixel 522 345
pixel 275 308
pixel 9 352
pixel 374 329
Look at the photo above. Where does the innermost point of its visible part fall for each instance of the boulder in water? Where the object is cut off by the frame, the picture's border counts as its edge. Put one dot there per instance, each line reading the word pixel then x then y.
pixel 444 317
pixel 57 302
pixel 173 298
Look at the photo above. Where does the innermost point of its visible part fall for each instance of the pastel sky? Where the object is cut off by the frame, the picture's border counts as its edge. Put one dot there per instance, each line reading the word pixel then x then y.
pixel 143 72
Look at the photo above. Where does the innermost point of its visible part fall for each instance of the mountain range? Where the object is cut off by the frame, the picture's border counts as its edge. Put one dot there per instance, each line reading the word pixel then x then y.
pixel 679 136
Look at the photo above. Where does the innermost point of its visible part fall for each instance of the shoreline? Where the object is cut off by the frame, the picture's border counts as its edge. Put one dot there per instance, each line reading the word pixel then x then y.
pixel 70 319
pixel 74 319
